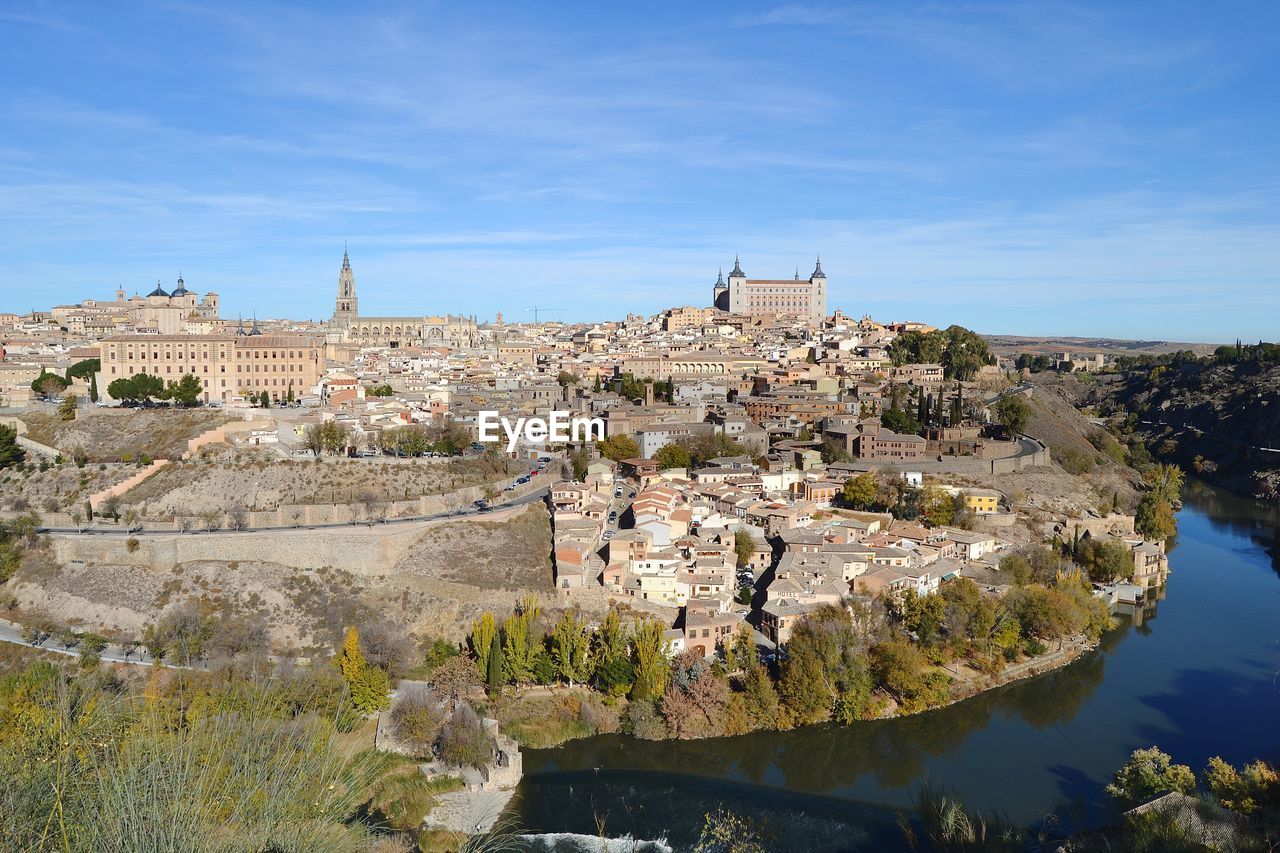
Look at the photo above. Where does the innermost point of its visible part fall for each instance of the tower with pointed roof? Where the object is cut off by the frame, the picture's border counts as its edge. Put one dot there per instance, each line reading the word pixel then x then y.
pixel 793 297
pixel 720 292
pixel 346 306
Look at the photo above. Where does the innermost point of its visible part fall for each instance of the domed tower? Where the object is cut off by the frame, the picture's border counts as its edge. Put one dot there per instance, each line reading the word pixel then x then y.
pixel 346 306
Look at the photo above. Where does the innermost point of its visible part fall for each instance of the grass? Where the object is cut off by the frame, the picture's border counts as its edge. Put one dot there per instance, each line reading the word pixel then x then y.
pixel 403 797
pixel 539 722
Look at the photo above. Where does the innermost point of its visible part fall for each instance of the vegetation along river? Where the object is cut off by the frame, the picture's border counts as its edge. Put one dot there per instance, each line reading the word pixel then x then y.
pixel 1195 673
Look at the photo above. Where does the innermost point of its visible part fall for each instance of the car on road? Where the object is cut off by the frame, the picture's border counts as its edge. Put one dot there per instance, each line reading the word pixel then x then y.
pixel 613 516
pixel 608 534
pixel 617 493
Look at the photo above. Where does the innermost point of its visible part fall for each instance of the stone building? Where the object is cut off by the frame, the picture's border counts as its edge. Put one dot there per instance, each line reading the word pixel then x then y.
pixel 756 297
pixel 161 311
pixel 394 332
pixel 246 363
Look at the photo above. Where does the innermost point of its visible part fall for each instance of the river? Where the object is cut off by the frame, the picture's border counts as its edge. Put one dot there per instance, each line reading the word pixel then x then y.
pixel 1196 674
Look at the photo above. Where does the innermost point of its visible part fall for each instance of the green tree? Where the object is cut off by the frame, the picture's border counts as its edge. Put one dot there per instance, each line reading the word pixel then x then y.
pixel 898 666
pixel 48 384
pixel 1154 518
pixel 740 655
pixel 652 667
pixel 186 391
pixel 804 688
pixel 1013 413
pixel 937 507
pixel 1165 481
pixel 483 630
pixel 580 459
pixel 520 642
pixel 496 668
pixel 860 491
pixel 619 447
pixel 84 369
pixel 1104 560
pixel 1147 774
pixel 11 453
pixel 569 646
pixel 672 456
pixel 67 409
pixel 760 698
pixel 744 547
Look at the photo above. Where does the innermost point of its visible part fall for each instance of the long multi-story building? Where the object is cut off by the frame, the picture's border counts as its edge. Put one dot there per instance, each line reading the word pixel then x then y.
pixel 227 366
pixel 758 297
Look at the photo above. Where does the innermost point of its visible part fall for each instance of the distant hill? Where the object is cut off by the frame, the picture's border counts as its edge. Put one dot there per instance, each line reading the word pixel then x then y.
pixel 1014 344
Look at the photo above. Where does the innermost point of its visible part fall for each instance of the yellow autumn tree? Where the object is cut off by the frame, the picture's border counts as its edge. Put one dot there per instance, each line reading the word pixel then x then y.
pixel 367 685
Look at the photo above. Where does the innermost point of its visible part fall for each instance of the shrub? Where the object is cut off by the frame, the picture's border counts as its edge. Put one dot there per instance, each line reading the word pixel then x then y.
pixel 464 741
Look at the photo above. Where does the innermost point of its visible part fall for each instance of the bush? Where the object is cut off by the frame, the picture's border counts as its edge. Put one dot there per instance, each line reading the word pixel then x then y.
pixel 464 741
pixel 416 720
pixel 644 721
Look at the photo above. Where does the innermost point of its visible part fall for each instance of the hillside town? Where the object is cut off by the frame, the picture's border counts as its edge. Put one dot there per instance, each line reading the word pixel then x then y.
pixel 760 458
pixel 749 476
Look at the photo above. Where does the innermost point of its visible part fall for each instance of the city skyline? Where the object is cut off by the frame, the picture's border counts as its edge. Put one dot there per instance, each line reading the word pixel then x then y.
pixel 1083 171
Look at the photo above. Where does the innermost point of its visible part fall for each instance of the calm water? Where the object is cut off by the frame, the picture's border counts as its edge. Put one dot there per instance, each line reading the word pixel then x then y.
pixel 1196 674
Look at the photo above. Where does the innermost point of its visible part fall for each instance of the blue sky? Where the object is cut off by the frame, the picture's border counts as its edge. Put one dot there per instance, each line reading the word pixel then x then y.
pixel 1043 168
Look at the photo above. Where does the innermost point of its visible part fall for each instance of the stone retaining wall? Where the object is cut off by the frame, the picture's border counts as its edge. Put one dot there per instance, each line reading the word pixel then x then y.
pixel 26 443
pixel 358 550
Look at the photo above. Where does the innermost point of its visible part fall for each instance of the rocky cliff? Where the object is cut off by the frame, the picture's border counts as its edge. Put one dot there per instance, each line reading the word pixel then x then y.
pixel 1219 421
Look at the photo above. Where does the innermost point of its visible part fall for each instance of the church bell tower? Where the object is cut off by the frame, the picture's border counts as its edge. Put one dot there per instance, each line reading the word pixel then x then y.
pixel 345 307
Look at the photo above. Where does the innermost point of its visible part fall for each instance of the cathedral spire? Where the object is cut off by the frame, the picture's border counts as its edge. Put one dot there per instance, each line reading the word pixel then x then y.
pixel 346 262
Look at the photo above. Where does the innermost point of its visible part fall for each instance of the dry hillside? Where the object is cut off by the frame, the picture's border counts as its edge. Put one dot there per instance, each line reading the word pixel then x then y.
pixel 459 569
pixel 204 484
pixel 123 435
pixel 1088 469
pixel 60 486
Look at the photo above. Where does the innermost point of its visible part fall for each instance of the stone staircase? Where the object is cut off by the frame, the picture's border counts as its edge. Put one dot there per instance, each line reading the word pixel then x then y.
pixel 96 499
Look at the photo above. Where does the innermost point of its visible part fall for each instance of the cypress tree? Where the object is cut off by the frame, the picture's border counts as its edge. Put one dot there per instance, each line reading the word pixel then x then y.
pixel 497 663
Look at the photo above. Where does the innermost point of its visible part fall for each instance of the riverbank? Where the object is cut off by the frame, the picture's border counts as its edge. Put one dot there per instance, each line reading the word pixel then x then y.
pixel 542 717
pixel 1195 675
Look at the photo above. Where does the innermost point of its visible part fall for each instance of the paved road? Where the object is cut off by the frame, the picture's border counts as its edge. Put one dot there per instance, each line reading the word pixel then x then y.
pixel 11 632
pixel 531 497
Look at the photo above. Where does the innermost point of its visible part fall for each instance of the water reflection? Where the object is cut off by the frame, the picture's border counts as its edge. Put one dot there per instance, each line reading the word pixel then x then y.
pixel 1193 671
pixel 1229 512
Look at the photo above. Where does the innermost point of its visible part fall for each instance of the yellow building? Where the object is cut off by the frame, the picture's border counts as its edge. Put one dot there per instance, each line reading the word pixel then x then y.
pixel 982 501
pixel 226 365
